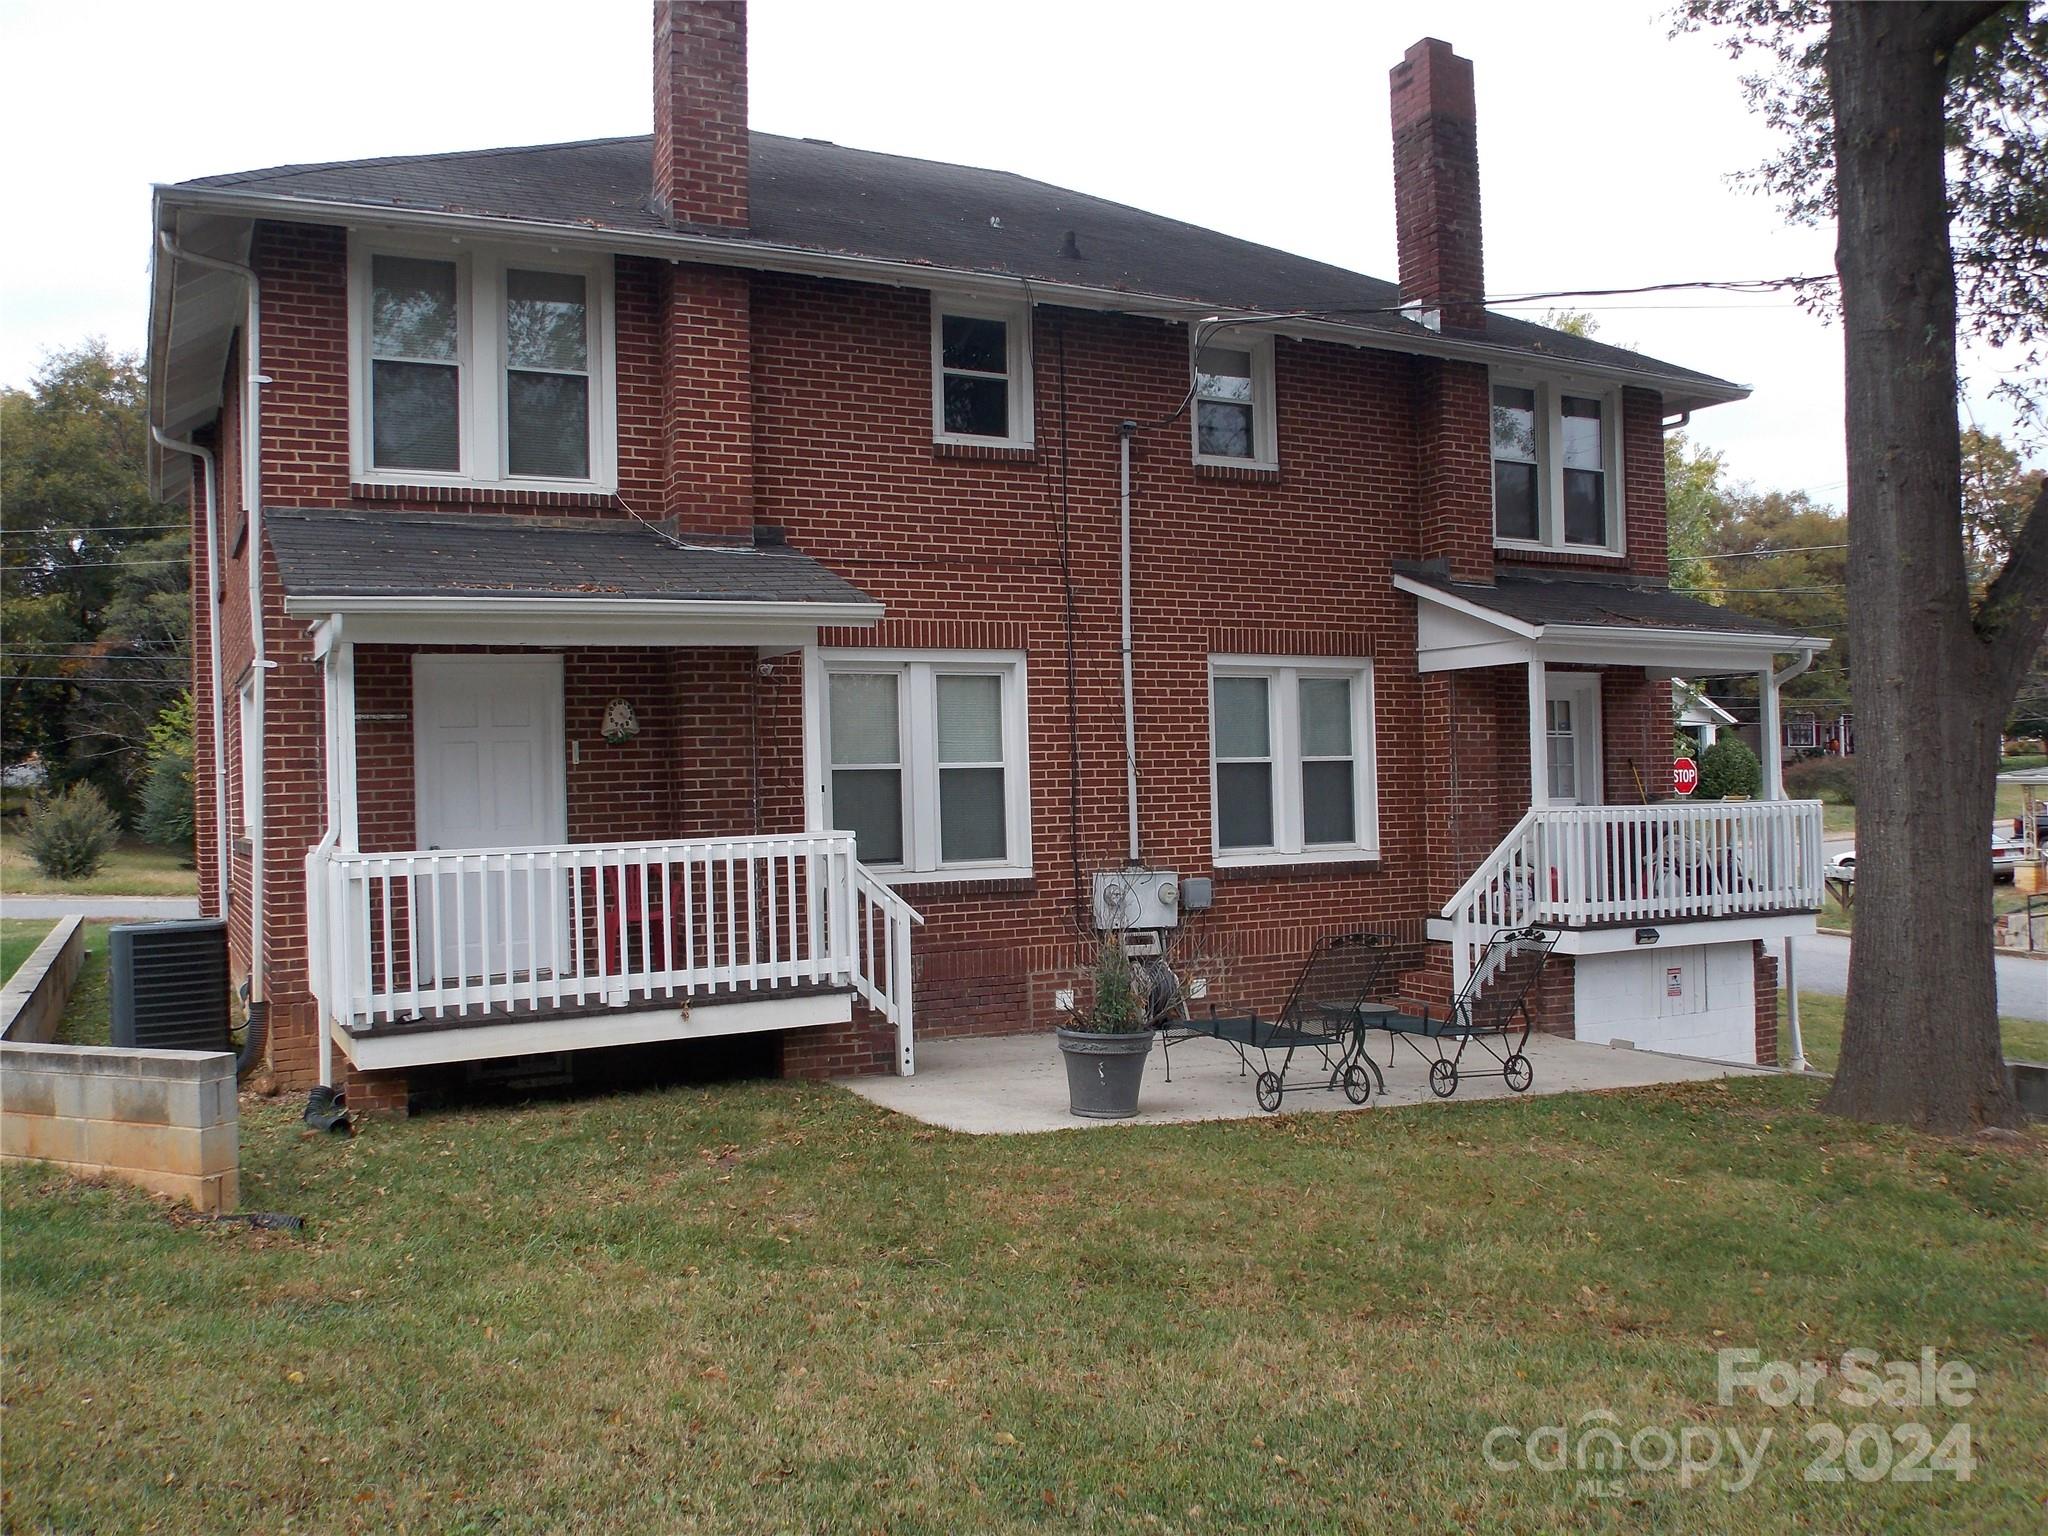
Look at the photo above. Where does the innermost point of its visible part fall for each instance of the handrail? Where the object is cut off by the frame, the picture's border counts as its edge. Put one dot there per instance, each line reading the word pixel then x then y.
pixel 1585 866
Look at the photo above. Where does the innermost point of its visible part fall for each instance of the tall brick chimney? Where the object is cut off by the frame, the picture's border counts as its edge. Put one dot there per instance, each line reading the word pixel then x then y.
pixel 1436 185
pixel 700 112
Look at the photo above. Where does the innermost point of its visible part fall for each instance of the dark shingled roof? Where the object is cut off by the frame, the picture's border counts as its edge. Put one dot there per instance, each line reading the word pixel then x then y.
pixel 411 554
pixel 1547 597
pixel 820 197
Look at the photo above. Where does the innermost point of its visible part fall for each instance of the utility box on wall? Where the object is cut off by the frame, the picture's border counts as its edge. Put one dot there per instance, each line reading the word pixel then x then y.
pixel 1127 899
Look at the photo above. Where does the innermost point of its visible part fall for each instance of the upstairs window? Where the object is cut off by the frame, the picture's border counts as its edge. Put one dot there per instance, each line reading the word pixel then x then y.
pixel 478 367
pixel 981 374
pixel 415 365
pixel 547 374
pixel 1233 402
pixel 1556 467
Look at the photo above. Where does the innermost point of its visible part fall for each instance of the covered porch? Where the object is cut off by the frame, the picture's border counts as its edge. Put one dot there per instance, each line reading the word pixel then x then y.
pixel 560 812
pixel 1579 669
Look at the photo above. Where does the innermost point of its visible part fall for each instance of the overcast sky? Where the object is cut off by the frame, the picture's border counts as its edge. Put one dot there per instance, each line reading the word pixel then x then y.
pixel 1605 146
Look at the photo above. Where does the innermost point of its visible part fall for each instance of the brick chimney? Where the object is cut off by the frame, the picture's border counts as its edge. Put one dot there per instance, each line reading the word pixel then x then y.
pixel 700 112
pixel 1436 185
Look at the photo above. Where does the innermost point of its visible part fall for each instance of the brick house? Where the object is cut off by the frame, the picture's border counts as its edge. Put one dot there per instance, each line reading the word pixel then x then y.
pixel 653 590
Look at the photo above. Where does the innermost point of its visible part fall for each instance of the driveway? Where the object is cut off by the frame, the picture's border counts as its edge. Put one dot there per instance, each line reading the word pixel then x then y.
pixel 99 908
pixel 1823 966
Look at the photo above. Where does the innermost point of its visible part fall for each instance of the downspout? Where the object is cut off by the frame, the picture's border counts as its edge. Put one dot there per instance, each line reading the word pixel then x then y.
pixel 223 846
pixel 1124 433
pixel 1787 969
pixel 252 506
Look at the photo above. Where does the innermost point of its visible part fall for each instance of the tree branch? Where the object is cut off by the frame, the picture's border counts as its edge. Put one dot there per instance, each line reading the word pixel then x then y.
pixel 2014 615
pixel 1948 23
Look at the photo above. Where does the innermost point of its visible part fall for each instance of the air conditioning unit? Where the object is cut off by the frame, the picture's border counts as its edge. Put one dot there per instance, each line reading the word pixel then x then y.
pixel 1127 899
pixel 169 985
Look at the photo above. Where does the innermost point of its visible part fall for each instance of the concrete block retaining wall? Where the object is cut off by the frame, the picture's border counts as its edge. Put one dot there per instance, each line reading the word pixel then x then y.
pixel 32 1003
pixel 166 1120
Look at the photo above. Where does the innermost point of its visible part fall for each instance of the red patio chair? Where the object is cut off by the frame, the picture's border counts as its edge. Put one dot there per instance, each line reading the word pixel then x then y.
pixel 621 908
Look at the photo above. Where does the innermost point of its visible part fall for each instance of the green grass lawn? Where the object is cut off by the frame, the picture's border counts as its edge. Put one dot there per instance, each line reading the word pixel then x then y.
pixel 773 1307
pixel 1820 1032
pixel 87 1010
pixel 134 868
pixel 2010 801
pixel 19 937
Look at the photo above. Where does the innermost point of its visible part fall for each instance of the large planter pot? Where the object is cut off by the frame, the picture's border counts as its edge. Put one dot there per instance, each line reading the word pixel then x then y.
pixel 1104 1072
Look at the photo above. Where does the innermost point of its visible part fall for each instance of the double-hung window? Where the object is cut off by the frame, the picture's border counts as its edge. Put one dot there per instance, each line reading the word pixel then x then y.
pixel 481 367
pixel 1293 777
pixel 1556 466
pixel 925 761
pixel 1233 401
pixel 981 373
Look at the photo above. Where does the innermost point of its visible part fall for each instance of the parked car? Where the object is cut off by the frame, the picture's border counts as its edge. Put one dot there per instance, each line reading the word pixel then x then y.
pixel 2005 860
pixel 2005 856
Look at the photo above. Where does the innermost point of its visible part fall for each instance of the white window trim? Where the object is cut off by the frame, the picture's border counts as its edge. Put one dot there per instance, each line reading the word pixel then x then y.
pixel 1016 320
pixel 1811 725
pixel 1550 463
pixel 250 754
pixel 1283 673
pixel 1265 415
pixel 917 722
pixel 480 359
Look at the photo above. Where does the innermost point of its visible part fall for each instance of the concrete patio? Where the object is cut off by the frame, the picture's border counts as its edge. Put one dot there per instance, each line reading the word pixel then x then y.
pixel 1015 1084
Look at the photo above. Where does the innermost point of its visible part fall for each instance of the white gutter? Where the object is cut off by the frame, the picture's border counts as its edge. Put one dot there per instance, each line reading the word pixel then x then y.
pixel 768 255
pixel 223 843
pixel 252 508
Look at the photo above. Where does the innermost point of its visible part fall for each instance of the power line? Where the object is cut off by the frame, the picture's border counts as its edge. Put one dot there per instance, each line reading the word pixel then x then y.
pixel 106 682
pixel 55 566
pixel 1765 554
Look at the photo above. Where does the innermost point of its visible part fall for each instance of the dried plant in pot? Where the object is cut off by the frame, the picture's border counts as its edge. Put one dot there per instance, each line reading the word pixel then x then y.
pixel 1105 1044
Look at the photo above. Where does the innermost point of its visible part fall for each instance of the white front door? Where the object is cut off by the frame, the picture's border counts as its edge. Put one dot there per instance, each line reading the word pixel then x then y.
pixel 488 773
pixel 1571 737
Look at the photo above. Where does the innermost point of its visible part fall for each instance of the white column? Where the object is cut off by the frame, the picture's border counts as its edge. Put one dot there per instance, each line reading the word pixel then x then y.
pixel 1770 735
pixel 1539 774
pixel 344 744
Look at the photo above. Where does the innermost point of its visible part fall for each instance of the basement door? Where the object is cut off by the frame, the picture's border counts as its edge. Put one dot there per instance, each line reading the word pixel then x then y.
pixel 488 773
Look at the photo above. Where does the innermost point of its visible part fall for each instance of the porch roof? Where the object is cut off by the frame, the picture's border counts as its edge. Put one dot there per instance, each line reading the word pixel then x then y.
pixel 411 575
pixel 1590 618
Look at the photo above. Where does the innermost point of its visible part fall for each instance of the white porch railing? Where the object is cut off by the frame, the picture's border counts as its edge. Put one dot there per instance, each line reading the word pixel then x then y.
pixel 456 933
pixel 1606 865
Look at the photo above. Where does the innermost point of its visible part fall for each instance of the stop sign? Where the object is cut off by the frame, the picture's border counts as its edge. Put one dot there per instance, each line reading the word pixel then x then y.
pixel 1685 775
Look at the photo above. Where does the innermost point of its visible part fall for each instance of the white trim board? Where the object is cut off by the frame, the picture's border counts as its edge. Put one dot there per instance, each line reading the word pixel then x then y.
pixel 373 1052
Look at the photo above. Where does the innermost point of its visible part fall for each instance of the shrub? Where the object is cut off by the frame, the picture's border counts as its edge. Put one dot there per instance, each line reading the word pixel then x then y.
pixel 68 835
pixel 1116 1008
pixel 166 818
pixel 166 815
pixel 1729 768
pixel 1832 779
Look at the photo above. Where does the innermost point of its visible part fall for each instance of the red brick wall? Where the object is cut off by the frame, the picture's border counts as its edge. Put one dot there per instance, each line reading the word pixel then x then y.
pixel 700 112
pixel 1766 1005
pixel 831 438
pixel 1436 183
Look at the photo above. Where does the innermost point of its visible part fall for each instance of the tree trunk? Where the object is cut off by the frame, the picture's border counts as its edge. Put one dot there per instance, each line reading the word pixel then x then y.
pixel 1920 1042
